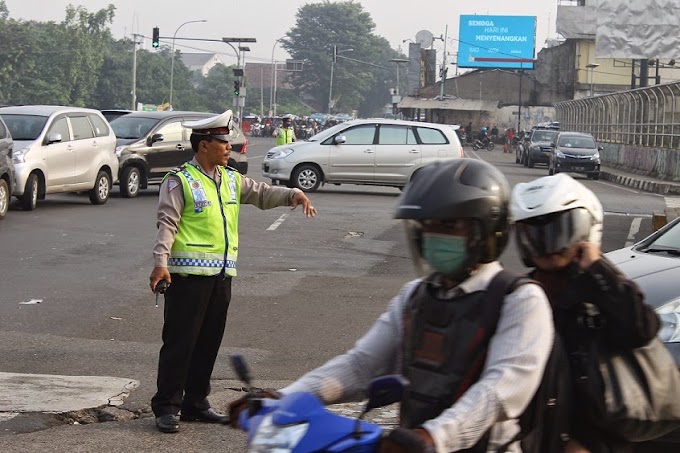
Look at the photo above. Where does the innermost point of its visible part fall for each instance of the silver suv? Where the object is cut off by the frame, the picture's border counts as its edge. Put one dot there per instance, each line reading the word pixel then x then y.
pixel 61 149
pixel 379 152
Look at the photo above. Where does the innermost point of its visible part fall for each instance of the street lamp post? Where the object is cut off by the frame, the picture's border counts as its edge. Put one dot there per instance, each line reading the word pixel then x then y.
pixel 336 52
pixel 272 91
pixel 172 58
pixel 398 61
pixel 591 66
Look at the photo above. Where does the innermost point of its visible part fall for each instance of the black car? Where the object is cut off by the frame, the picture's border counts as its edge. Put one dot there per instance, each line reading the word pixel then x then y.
pixel 6 169
pixel 575 152
pixel 150 144
pixel 537 149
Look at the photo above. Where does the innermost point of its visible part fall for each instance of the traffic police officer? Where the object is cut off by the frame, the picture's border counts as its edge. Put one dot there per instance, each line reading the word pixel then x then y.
pixel 285 133
pixel 195 253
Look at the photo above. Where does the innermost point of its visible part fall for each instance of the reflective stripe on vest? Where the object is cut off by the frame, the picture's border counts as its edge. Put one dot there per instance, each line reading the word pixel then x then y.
pixel 206 242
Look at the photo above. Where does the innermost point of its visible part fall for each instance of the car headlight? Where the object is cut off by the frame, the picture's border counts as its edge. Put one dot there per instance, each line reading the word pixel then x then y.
pixel 119 150
pixel 19 156
pixel 559 154
pixel 669 314
pixel 595 156
pixel 280 154
pixel 276 439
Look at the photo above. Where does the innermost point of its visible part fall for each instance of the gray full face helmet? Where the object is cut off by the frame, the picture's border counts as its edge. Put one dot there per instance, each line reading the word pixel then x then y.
pixel 458 189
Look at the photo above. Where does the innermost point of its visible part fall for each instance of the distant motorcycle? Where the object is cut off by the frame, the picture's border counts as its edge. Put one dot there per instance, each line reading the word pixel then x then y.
pixel 479 144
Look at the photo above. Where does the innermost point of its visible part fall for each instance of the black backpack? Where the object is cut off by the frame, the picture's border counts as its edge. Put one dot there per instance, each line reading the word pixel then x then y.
pixel 544 424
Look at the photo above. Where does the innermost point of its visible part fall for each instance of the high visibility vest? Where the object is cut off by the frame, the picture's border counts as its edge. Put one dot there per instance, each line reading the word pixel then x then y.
pixel 284 136
pixel 207 236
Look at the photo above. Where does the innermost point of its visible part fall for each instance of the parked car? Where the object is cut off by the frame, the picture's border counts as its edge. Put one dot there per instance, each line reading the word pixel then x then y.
pixel 112 114
pixel 575 152
pixel 61 149
pixel 150 144
pixel 6 169
pixel 537 149
pixel 375 152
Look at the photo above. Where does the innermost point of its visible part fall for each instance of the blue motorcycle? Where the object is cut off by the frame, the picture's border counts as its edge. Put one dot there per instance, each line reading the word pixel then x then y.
pixel 299 422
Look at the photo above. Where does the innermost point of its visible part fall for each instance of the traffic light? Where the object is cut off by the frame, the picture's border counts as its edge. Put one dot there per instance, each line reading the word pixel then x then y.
pixel 237 87
pixel 155 41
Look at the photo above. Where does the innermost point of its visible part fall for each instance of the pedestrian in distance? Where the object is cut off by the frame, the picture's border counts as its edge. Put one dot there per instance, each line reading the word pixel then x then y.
pixel 462 363
pixel 558 227
pixel 195 255
pixel 285 133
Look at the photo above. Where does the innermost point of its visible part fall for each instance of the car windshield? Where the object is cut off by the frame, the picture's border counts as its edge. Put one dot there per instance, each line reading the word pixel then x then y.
pixel 667 242
pixel 127 127
pixel 543 136
pixel 24 127
pixel 577 142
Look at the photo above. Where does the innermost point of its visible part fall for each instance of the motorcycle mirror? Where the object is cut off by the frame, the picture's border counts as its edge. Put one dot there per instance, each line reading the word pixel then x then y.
pixel 382 391
pixel 238 363
pixel 385 390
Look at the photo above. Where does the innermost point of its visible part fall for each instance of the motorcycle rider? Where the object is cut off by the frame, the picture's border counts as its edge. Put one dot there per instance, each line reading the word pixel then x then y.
pixel 558 226
pixel 456 218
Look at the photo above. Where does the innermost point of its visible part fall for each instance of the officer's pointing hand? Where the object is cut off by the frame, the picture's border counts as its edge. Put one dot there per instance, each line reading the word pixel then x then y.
pixel 307 208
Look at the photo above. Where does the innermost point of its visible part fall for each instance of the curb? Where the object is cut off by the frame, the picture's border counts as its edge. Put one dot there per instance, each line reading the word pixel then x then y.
pixel 658 187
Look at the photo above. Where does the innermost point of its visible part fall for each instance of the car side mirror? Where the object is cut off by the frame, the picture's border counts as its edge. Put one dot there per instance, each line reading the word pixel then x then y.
pixel 600 148
pixel 154 138
pixel 53 137
pixel 340 139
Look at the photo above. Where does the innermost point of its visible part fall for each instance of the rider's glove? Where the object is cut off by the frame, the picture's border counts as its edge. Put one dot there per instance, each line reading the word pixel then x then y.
pixel 402 440
pixel 241 404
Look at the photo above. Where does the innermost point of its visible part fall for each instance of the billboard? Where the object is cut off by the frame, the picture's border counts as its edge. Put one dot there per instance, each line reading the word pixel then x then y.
pixel 637 29
pixel 497 42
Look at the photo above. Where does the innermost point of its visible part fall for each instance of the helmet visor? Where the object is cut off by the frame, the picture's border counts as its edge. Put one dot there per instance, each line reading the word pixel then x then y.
pixel 545 235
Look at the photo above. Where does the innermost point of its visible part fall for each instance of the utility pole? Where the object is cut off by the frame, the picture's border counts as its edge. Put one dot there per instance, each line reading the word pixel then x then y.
pixel 519 110
pixel 444 69
pixel 134 71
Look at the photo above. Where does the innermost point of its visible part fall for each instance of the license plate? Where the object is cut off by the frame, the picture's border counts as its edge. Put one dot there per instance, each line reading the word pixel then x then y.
pixel 579 168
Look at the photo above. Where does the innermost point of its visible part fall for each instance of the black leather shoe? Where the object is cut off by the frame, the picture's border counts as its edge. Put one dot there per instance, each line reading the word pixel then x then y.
pixel 167 423
pixel 206 416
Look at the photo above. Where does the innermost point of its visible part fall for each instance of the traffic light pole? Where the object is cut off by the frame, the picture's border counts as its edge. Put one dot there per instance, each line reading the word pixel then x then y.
pixel 134 72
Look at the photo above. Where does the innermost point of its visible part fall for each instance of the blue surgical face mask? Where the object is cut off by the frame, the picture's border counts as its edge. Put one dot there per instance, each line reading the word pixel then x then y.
pixel 445 253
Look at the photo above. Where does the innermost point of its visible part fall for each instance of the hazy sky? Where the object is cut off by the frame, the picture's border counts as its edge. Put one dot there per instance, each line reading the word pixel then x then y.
pixel 267 20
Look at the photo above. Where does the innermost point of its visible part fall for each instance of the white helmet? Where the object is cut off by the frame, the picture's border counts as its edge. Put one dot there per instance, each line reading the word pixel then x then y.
pixel 553 213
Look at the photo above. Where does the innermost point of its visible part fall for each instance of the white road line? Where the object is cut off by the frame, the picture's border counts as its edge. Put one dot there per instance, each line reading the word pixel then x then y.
pixel 278 222
pixel 672 202
pixel 634 229
pixel 627 214
pixel 620 187
pixel 474 153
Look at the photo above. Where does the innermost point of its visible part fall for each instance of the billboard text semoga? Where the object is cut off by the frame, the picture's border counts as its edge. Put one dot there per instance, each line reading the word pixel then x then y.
pixel 497 42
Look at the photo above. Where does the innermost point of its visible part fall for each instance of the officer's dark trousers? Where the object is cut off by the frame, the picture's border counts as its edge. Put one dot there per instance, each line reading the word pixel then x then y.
pixel 194 319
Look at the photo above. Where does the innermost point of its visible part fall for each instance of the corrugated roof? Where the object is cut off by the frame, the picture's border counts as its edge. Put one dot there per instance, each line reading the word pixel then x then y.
pixel 447 104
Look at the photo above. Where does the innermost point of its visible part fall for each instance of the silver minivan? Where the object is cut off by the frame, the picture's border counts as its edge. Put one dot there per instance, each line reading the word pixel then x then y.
pixel 61 149
pixel 380 152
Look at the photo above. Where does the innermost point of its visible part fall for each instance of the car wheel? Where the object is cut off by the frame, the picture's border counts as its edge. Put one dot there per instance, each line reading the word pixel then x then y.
pixel 490 146
pixel 102 186
pixel 29 200
pixel 307 178
pixel 4 198
pixel 129 182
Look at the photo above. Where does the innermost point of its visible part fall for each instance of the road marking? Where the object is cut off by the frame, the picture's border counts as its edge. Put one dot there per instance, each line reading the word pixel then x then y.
pixel 672 202
pixel 634 229
pixel 628 214
pixel 475 154
pixel 619 187
pixel 278 222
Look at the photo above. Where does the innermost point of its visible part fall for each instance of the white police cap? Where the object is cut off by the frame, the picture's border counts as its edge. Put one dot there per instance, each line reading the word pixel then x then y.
pixel 219 127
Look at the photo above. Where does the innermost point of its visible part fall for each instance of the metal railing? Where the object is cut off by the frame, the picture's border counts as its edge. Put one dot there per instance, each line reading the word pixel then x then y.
pixel 648 117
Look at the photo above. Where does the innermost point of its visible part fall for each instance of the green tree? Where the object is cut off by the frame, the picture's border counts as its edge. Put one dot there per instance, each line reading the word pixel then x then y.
pixel 345 24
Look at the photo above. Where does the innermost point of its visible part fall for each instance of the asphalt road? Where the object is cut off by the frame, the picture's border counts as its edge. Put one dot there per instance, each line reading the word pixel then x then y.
pixel 306 290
